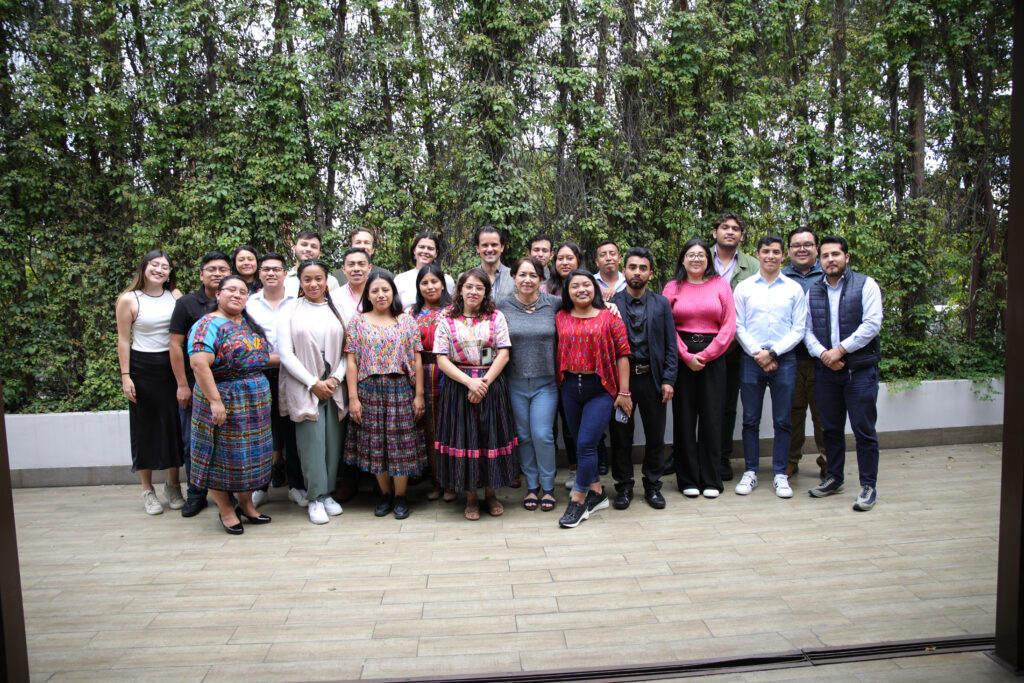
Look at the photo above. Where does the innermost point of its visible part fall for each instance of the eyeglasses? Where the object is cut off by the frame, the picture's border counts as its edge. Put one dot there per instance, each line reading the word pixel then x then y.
pixel 271 269
pixel 214 269
pixel 696 257
pixel 802 245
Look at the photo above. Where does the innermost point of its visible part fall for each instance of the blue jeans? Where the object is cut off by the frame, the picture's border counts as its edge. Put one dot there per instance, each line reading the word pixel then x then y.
pixel 588 410
pixel 781 382
pixel 534 403
pixel 853 393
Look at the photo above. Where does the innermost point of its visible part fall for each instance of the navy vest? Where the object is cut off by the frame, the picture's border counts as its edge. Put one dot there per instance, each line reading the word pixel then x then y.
pixel 851 315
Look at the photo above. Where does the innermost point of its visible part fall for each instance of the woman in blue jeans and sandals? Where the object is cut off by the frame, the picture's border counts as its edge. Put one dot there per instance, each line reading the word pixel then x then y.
pixel 593 372
pixel 532 387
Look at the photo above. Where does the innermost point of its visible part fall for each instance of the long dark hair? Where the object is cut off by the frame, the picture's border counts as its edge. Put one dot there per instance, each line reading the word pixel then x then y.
pixel 458 305
pixel 431 269
pixel 396 303
pixel 327 291
pixel 255 284
pixel 139 279
pixel 255 326
pixel 709 269
pixel 567 304
pixel 555 282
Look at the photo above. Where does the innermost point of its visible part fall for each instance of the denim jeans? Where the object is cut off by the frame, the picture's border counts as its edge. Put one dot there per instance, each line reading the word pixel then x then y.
pixel 534 401
pixel 781 382
pixel 853 393
pixel 588 409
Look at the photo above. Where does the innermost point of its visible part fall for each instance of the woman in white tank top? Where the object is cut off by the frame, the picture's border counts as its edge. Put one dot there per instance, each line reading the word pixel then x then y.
pixel 143 342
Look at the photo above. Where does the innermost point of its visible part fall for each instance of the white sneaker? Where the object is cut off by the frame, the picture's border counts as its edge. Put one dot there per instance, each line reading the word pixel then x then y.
pixel 747 483
pixel 570 483
pixel 172 492
pixel 317 513
pixel 298 496
pixel 691 493
pixel 150 503
pixel 332 506
pixel 711 493
pixel 259 497
pixel 782 488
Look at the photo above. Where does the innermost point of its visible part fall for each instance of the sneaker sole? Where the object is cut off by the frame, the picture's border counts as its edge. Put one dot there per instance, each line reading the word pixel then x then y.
pixel 746 493
pixel 600 506
pixel 584 516
pixel 859 507
pixel 824 494
pixel 782 494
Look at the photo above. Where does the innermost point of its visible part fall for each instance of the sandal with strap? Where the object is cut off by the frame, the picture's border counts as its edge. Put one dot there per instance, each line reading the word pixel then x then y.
pixel 548 502
pixel 472 511
pixel 494 506
pixel 532 499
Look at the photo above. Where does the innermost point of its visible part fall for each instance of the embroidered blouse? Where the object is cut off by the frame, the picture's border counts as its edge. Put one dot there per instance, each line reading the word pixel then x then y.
pixel 426 320
pixel 591 345
pixel 237 350
pixel 462 338
pixel 382 350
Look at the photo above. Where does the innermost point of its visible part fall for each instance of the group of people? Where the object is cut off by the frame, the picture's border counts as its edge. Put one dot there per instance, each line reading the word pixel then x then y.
pixel 270 375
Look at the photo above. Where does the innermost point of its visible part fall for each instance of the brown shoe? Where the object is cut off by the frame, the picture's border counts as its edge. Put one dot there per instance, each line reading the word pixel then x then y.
pixel 823 466
pixel 792 468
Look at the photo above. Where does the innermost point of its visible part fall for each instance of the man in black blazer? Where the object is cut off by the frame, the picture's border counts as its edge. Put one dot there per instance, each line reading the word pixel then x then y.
pixel 653 365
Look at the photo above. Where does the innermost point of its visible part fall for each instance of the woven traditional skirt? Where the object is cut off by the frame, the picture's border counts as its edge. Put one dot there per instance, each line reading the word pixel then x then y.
pixel 237 455
pixel 153 418
pixel 389 440
pixel 432 396
pixel 475 441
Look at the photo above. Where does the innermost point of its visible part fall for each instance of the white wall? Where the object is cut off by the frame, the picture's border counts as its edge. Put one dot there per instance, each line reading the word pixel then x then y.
pixel 57 440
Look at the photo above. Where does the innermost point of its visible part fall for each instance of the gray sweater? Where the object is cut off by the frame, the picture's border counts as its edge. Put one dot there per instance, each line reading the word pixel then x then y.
pixel 533 335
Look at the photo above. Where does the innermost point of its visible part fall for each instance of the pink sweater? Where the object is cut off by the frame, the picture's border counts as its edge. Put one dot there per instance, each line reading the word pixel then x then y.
pixel 707 308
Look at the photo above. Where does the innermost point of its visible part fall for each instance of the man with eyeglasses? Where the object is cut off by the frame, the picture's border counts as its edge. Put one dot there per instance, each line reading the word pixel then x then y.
pixel 266 307
pixel 805 269
pixel 187 310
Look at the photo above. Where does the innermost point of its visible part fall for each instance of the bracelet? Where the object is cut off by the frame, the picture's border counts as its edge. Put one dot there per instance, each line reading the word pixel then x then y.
pixel 126 373
pixel 625 393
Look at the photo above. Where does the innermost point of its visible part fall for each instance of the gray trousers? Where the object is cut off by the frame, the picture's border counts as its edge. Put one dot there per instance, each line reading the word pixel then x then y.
pixel 319 445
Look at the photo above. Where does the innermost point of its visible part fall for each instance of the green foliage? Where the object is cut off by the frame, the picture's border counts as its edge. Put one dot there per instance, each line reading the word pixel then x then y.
pixel 132 124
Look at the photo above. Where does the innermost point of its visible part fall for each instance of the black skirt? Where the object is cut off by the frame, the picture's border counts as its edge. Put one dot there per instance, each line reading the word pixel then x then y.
pixel 154 419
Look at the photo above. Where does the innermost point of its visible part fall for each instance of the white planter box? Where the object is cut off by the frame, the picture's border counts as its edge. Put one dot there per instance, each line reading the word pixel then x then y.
pixel 55 449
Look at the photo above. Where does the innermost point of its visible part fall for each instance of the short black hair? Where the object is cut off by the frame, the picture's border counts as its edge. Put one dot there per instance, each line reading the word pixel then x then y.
pixel 541 237
pixel 309 235
pixel 355 250
pixel 272 256
pixel 797 231
pixel 604 242
pixel 729 215
pixel 836 239
pixel 640 252
pixel 488 228
pixel 768 240
pixel 214 256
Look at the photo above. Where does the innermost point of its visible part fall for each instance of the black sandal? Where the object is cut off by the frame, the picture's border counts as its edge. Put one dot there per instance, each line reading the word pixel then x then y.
pixel 548 502
pixel 531 503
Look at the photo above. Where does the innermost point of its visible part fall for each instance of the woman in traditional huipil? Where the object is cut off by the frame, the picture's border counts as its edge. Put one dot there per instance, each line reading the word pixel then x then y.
pixel 232 447
pixel 475 432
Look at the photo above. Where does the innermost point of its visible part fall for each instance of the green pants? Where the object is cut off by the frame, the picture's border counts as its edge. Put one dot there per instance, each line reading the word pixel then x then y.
pixel 320 445
pixel 803 398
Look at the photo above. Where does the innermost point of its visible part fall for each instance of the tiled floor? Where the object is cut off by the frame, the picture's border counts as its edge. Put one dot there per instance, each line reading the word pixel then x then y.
pixel 111 594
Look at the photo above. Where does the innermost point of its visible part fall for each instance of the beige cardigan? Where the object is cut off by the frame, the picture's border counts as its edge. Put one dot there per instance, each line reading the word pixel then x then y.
pixel 295 399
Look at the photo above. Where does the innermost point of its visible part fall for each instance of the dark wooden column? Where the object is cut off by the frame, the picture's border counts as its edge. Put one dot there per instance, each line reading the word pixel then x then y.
pixel 1009 623
pixel 12 614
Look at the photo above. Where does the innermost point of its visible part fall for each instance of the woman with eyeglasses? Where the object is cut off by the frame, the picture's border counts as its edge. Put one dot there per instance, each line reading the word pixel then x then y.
pixel 705 319
pixel 232 447
pixel 143 351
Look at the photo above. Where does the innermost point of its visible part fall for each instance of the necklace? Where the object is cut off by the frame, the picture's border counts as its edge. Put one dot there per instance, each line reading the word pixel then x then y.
pixel 528 307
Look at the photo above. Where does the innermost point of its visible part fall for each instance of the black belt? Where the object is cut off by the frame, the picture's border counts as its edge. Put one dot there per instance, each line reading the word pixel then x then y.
pixel 640 368
pixel 696 337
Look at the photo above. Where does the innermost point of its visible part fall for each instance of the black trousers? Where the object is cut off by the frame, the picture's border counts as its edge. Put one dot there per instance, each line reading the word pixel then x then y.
pixel 730 397
pixel 697 409
pixel 647 401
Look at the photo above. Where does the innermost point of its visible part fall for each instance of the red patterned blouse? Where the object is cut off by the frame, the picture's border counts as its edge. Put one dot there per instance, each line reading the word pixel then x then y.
pixel 591 344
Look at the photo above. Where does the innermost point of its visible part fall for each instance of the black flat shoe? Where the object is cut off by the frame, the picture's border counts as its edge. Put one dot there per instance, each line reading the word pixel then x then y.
pixel 258 519
pixel 193 506
pixel 654 499
pixel 384 506
pixel 622 499
pixel 401 507
pixel 234 529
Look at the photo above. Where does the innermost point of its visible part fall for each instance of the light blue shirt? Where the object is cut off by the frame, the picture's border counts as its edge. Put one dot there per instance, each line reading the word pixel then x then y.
pixel 620 283
pixel 772 314
pixel 871 304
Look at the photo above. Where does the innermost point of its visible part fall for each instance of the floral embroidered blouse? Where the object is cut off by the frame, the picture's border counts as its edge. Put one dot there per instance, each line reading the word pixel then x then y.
pixel 384 350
